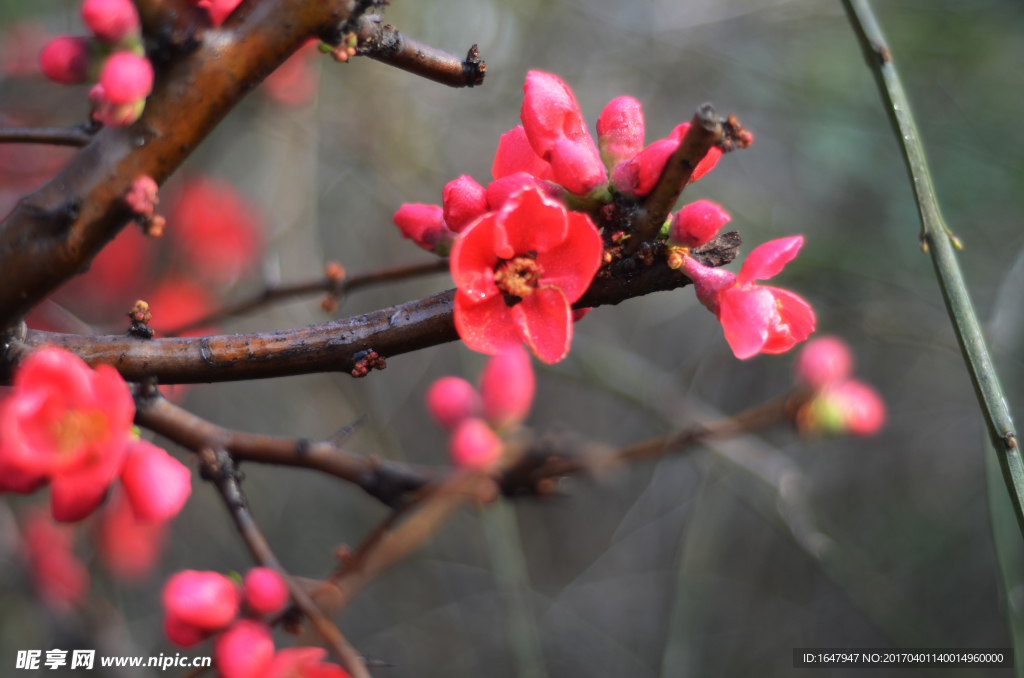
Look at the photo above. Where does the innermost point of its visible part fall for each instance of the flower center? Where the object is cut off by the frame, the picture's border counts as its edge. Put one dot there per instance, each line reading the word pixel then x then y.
pixel 517 277
pixel 78 428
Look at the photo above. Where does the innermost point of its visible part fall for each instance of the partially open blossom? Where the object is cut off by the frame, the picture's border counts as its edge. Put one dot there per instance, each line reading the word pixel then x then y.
pixel 141 197
pixel 59 576
pixel 66 60
pixel 157 484
pixel 518 272
pixel 216 230
pixel 697 223
pixel 218 9
pixel 243 651
pixel 463 201
pixel 823 361
pixel 126 77
pixel 450 400
pixel 110 20
pixel 500 191
pixel 620 130
pixel 507 386
pixel 755 318
pixel 265 590
pixel 515 154
pixel 302 662
pixel 128 547
pixel 474 445
pixel 424 225
pixel 558 134
pixel 205 601
pixel 67 424
pixel 848 406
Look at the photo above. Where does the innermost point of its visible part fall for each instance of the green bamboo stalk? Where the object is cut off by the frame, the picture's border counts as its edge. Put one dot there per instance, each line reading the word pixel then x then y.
pixel 939 242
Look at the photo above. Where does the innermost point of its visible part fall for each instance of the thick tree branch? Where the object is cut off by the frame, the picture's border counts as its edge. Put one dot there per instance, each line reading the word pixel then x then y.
pixel 382 42
pixel 54 233
pixel 332 286
pixel 338 345
pixel 170 26
pixel 53 136
pixel 218 467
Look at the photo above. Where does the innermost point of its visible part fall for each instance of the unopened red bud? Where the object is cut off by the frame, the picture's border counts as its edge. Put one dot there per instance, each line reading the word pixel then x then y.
pixel 110 20
pixel 244 651
pixel 450 400
pixel 464 200
pixel 142 196
pixel 823 361
pixel 849 406
pixel 126 78
pixel 66 60
pixel 207 601
pixel 507 386
pixel 697 223
pixel 265 590
pixel 620 130
pixel 424 225
pixel 157 484
pixel 334 271
pixel 474 445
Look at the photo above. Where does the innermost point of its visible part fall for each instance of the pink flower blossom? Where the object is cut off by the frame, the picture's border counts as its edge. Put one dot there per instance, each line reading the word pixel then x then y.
pixel 755 318
pixel 110 20
pixel 243 651
pixel 157 484
pixel 474 445
pixel 464 200
pixel 620 130
pixel 66 424
pixel 265 590
pixel 518 272
pixel 450 400
pixel 424 225
pixel 697 223
pixel 66 60
pixel 206 602
pixel 824 361
pixel 507 386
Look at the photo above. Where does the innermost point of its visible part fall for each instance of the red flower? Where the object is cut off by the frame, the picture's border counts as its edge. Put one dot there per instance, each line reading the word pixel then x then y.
pixel 464 200
pixel 515 154
pixel 265 590
pixel 302 662
pixel 128 547
pixel 697 223
pixel 59 576
pixel 243 651
pixel 66 60
pixel 216 230
pixel 67 424
pixel 424 225
pixel 756 318
pixel 824 361
pixel 518 272
pixel 110 20
pixel 848 406
pixel 157 484
pixel 126 78
pixel 507 386
pixel 474 445
pixel 197 604
pixel 450 400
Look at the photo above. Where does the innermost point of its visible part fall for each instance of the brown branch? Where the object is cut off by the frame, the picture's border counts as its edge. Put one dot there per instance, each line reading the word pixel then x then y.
pixel 171 26
pixel 54 233
pixel 382 42
pixel 336 346
pixel 218 467
pixel 54 136
pixel 332 286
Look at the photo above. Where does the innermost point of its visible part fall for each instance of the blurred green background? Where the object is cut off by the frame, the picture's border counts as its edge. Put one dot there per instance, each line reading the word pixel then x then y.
pixel 717 563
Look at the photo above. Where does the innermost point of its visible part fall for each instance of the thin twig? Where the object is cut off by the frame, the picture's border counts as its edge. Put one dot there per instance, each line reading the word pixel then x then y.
pixel 937 238
pixel 382 42
pixel 54 136
pixel 219 467
pixel 337 288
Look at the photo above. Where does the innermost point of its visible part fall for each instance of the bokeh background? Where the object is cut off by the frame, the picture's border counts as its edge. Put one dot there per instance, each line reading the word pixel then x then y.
pixel 719 562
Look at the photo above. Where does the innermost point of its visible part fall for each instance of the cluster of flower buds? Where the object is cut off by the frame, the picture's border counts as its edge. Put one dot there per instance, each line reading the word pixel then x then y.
pixel 69 426
pixel 198 605
pixel 836 403
pixel 477 419
pixel 113 57
pixel 142 200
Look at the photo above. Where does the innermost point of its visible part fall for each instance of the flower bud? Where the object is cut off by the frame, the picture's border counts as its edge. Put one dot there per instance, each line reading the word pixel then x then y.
pixel 577 166
pixel 182 634
pixel 206 600
pixel 157 484
pixel 424 225
pixel 464 200
pixel 141 197
pixel 620 131
pixel 550 113
pixel 823 361
pixel 126 78
pixel 110 20
pixel 846 407
pixel 637 177
pixel 244 650
pixel 474 445
pixel 507 386
pixel 450 400
pixel 265 590
pixel 697 223
pixel 66 60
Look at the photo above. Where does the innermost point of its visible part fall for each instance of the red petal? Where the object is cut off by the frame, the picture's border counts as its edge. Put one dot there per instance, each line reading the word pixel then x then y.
pixel 768 259
pixel 573 264
pixel 745 313
pixel 473 260
pixel 577 166
pixel 550 112
pixel 485 326
pixel 516 155
pixel 706 164
pixel 529 222
pixel 157 484
pixel 794 324
pixel 544 320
